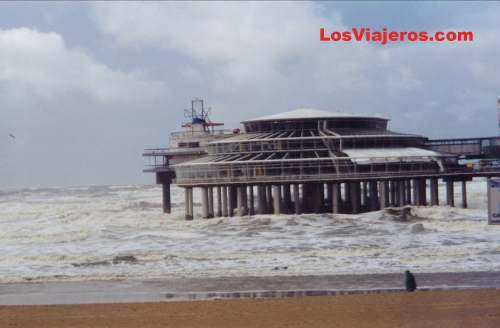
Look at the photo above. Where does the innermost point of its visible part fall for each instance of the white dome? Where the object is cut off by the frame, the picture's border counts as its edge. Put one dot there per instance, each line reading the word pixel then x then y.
pixel 307 113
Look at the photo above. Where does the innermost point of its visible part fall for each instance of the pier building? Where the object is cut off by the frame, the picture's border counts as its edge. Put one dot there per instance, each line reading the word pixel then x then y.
pixel 312 161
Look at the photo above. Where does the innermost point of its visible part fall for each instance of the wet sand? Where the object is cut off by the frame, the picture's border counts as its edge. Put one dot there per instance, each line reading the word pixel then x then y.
pixel 459 308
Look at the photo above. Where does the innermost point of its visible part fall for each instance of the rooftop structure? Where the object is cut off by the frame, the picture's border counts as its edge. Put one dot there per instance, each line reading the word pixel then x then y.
pixel 313 161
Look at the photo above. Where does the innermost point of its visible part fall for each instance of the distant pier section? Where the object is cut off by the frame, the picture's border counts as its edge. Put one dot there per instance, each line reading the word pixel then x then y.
pixel 312 161
pixel 186 145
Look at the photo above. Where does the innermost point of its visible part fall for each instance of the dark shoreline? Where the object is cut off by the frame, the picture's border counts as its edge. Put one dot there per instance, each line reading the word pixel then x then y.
pixel 178 289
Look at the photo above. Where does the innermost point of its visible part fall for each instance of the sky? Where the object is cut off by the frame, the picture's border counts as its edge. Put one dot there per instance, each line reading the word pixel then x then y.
pixel 85 87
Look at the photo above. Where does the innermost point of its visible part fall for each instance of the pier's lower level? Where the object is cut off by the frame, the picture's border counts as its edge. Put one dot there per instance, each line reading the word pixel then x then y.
pixel 351 197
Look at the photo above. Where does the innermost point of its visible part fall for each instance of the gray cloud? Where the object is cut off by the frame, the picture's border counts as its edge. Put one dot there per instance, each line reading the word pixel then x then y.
pixel 89 97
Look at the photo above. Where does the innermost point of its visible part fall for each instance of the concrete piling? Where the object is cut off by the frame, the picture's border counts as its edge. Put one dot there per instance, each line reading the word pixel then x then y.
pixel 393 193
pixel 210 202
pixel 277 199
pixel 219 201
pixel 320 202
pixel 296 198
pixel 364 194
pixel 269 199
pixel 287 198
pixel 261 199
pixel 450 197
pixel 167 205
pixel 335 197
pixel 464 194
pixel 188 192
pixel 241 198
pixel 251 201
pixel 231 200
pixel 383 194
pixel 373 196
pixel 204 202
pixel 355 197
pixel 423 191
pixel 416 192
pixel 224 201
pixel 401 193
pixel 408 192
pixel 434 186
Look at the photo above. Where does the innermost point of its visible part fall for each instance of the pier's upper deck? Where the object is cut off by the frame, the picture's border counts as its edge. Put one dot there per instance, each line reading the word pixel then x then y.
pixel 310 144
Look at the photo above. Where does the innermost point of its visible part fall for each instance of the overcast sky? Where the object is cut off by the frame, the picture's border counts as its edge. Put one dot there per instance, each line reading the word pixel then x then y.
pixel 84 87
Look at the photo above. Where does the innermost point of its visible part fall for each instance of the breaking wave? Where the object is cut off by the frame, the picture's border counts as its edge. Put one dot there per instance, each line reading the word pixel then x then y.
pixel 116 232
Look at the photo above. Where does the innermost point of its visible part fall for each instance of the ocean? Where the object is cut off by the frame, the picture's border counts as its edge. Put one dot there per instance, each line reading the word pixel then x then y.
pixel 120 232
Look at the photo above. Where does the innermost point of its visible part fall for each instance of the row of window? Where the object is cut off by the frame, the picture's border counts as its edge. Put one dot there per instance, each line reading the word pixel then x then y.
pixel 312 144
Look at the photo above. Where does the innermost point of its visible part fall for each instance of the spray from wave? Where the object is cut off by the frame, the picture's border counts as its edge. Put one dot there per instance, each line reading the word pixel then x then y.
pixel 115 232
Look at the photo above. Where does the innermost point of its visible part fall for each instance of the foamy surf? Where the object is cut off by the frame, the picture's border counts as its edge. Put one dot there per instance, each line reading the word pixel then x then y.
pixel 115 232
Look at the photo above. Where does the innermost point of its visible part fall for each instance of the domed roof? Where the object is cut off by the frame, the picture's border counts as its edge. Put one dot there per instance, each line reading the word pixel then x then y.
pixel 308 113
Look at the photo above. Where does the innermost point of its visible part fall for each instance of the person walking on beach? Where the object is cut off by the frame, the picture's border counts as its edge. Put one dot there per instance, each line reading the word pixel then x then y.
pixel 411 283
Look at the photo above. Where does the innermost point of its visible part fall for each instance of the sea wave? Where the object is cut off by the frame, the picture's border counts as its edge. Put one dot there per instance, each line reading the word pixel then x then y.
pixel 116 232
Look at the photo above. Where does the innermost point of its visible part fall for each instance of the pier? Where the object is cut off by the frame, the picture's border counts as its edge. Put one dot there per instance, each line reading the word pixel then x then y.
pixel 311 161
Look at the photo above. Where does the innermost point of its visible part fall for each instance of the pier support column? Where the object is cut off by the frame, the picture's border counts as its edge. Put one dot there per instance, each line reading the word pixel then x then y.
pixel 224 201
pixel 261 200
pixel 231 200
pixel 384 194
pixel 347 207
pixel 355 197
pixel 210 202
pixel 393 198
pixel 329 200
pixel 204 202
pixel 251 201
pixel 296 198
pixel 188 192
pixel 305 202
pixel 320 187
pixel 416 192
pixel 434 186
pixel 315 197
pixel 245 199
pixel 401 192
pixel 219 201
pixel 335 196
pixel 165 179
pixel 450 197
pixel 408 192
pixel 373 199
pixel 241 198
pixel 269 199
pixel 464 194
pixel 364 202
pixel 287 199
pixel 419 192
pixel 167 205
pixel 277 199
pixel 423 190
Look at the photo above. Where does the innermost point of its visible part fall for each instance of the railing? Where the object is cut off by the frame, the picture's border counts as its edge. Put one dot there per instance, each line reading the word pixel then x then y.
pixel 184 134
pixel 336 176
pixel 172 151
pixel 300 169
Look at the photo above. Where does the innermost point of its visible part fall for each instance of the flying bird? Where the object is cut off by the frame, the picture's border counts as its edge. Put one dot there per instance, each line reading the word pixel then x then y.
pixel 12 136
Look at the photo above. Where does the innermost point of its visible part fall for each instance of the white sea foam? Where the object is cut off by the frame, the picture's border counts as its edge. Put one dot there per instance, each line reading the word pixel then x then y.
pixel 77 233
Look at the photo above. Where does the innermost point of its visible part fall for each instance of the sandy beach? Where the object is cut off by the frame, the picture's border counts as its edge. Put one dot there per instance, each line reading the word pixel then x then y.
pixel 471 308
